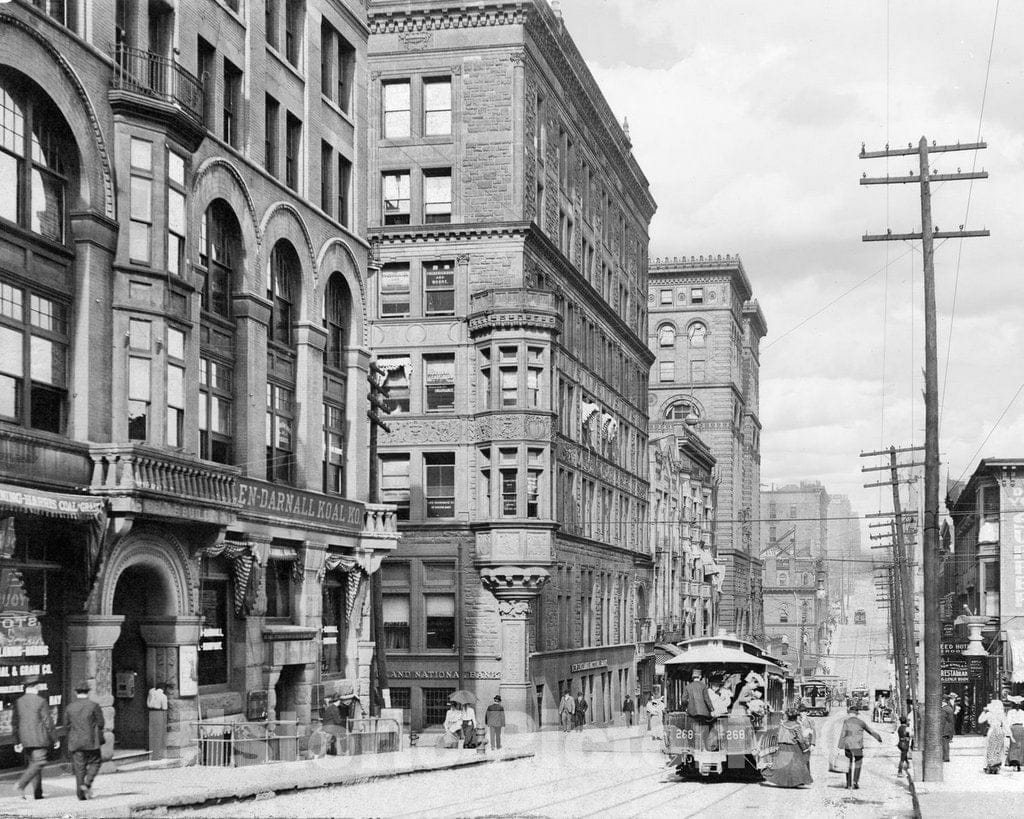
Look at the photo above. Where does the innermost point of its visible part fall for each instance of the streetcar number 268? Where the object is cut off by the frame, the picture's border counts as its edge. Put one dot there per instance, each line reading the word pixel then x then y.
pixel 684 733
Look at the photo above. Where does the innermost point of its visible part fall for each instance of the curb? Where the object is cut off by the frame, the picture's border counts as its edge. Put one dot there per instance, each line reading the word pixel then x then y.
pixel 913 795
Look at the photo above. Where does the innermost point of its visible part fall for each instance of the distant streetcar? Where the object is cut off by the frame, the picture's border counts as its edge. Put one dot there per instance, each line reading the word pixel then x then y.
pixel 737 741
pixel 816 697
pixel 860 618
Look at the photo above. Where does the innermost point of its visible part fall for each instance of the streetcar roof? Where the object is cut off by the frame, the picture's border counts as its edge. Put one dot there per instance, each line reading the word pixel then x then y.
pixel 721 655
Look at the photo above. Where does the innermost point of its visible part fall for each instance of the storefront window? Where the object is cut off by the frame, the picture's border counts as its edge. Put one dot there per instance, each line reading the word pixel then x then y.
pixel 435 705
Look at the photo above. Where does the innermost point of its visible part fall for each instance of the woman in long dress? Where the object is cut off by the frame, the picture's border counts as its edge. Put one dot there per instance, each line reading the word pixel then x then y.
pixel 1015 724
pixel 994 716
pixel 791 769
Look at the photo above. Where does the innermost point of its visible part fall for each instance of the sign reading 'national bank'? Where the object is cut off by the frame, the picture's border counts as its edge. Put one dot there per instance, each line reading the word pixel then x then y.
pixel 283 503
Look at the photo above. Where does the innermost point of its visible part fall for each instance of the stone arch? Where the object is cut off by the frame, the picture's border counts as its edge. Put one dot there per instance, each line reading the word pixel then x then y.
pixel 666 329
pixel 337 257
pixel 682 398
pixel 161 552
pixel 64 87
pixel 218 178
pixel 283 221
pixel 701 328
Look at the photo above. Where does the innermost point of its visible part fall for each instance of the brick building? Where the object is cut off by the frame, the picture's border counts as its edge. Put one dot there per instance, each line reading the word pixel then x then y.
pixel 182 336
pixel 797 618
pixel 706 328
pixel 509 311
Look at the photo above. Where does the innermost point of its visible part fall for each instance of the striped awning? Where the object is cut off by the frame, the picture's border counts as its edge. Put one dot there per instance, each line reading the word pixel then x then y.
pixel 18 499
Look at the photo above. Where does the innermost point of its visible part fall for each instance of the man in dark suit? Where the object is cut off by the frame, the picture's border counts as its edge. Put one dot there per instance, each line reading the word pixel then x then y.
pixel 948 724
pixel 494 719
pixel 33 731
pixel 697 705
pixel 84 721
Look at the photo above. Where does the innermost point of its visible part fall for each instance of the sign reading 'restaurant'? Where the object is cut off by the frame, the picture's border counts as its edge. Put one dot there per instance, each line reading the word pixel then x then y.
pixel 263 498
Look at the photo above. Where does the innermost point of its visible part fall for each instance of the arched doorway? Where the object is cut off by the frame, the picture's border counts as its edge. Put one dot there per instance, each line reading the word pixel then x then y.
pixel 142 593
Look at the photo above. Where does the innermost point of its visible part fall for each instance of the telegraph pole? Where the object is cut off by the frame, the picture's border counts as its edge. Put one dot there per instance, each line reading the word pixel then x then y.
pixel 932 745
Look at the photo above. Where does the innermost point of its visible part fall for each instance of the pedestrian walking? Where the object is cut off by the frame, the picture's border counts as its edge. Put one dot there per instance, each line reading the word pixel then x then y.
pixel 84 722
pixel 903 743
pixel 566 710
pixel 33 732
pixel 494 719
pixel 656 717
pixel 791 768
pixel 468 726
pixel 807 727
pixel 994 717
pixel 628 709
pixel 948 724
pixel 851 740
pixel 1015 727
pixel 580 713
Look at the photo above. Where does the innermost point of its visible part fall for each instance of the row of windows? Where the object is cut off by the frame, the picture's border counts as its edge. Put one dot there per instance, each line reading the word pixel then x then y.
pixel 433 197
pixel 588 509
pixel 619 442
pixel 419 606
pixel 433 108
pixel 433 295
pixel 511 483
pixel 667 296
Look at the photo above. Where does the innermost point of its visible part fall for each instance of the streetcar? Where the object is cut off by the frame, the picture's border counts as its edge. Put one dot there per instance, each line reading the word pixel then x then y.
pixel 860 697
pixel 816 697
pixel 739 741
pixel 860 617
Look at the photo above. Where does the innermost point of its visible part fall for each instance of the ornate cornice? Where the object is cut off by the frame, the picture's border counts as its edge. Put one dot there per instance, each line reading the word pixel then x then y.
pixel 416 234
pixel 514 321
pixel 405 19
pixel 514 585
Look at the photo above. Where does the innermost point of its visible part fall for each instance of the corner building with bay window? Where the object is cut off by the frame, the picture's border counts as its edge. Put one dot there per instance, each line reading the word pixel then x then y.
pixel 183 352
pixel 509 310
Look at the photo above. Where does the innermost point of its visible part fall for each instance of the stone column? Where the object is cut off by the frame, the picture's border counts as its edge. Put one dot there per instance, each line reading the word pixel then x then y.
pixel 514 587
pixel 91 639
pixel 164 637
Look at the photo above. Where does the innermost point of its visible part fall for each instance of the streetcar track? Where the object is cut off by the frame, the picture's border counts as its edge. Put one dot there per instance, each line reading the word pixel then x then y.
pixel 729 795
pixel 606 808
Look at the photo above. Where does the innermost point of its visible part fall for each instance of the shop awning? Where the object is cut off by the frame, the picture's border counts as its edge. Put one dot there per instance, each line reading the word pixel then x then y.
pixel 662 653
pixel 1015 654
pixel 52 504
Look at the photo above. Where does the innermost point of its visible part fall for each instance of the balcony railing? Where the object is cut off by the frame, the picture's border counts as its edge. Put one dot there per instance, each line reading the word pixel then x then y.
pixel 380 519
pixel 133 468
pixel 148 74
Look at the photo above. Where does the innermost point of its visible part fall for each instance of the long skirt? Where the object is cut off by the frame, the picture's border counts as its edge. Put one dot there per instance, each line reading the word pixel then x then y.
pixel 791 767
pixel 1015 756
pixel 994 748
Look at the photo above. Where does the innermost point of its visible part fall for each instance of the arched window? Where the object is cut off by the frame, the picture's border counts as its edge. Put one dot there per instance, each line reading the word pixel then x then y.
pixel 282 291
pixel 666 335
pixel 680 411
pixel 697 333
pixel 220 252
pixel 37 158
pixel 284 278
pixel 337 320
pixel 38 163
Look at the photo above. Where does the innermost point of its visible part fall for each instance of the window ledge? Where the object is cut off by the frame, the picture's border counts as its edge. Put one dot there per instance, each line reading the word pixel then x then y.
pixel 337 109
pixel 280 58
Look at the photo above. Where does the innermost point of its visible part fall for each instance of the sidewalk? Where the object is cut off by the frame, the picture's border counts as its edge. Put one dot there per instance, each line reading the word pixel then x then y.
pixel 128 793
pixel 966 790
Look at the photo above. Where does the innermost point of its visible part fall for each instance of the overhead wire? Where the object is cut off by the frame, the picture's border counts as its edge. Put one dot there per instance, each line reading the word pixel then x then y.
pixel 967 212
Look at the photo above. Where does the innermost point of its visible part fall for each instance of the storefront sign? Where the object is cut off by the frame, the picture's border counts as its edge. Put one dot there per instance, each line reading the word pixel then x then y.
pixel 953 671
pixel 295 504
pixel 953 648
pixel 35 501
pixel 441 674
pixel 587 666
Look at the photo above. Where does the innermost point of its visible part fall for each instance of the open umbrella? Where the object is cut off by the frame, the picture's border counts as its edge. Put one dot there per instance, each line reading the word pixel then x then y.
pixel 463 697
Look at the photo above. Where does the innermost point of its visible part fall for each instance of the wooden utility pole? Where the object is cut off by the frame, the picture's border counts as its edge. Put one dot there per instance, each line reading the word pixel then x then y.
pixel 932 733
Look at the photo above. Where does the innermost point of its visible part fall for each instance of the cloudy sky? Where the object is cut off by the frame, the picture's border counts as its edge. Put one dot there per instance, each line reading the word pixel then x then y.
pixel 748 118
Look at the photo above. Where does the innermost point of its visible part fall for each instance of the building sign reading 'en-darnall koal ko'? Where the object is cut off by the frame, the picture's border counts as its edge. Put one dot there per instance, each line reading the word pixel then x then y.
pixel 282 502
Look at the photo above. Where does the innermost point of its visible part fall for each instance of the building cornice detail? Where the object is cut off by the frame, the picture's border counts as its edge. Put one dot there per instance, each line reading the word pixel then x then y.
pixel 407 19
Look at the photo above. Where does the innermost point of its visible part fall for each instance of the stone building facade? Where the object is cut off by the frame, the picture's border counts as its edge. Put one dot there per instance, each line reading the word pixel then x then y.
pixel 687 581
pixel 797 611
pixel 509 310
pixel 183 352
pixel 705 328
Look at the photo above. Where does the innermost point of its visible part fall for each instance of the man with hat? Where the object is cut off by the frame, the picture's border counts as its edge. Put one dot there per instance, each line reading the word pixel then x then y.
pixel 84 721
pixel 949 710
pixel 494 719
pixel 33 732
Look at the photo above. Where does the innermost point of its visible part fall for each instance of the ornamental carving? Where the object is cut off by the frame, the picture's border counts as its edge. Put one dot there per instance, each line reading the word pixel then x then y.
pixel 514 582
pixel 416 40
pixel 513 609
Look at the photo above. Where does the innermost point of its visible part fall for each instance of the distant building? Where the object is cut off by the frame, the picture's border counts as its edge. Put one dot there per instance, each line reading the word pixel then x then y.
pixel 705 329
pixel 845 559
pixel 797 616
pixel 509 309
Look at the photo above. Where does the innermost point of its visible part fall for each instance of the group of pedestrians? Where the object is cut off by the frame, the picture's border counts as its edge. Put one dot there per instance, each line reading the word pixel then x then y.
pixel 572 711
pixel 460 724
pixel 35 735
